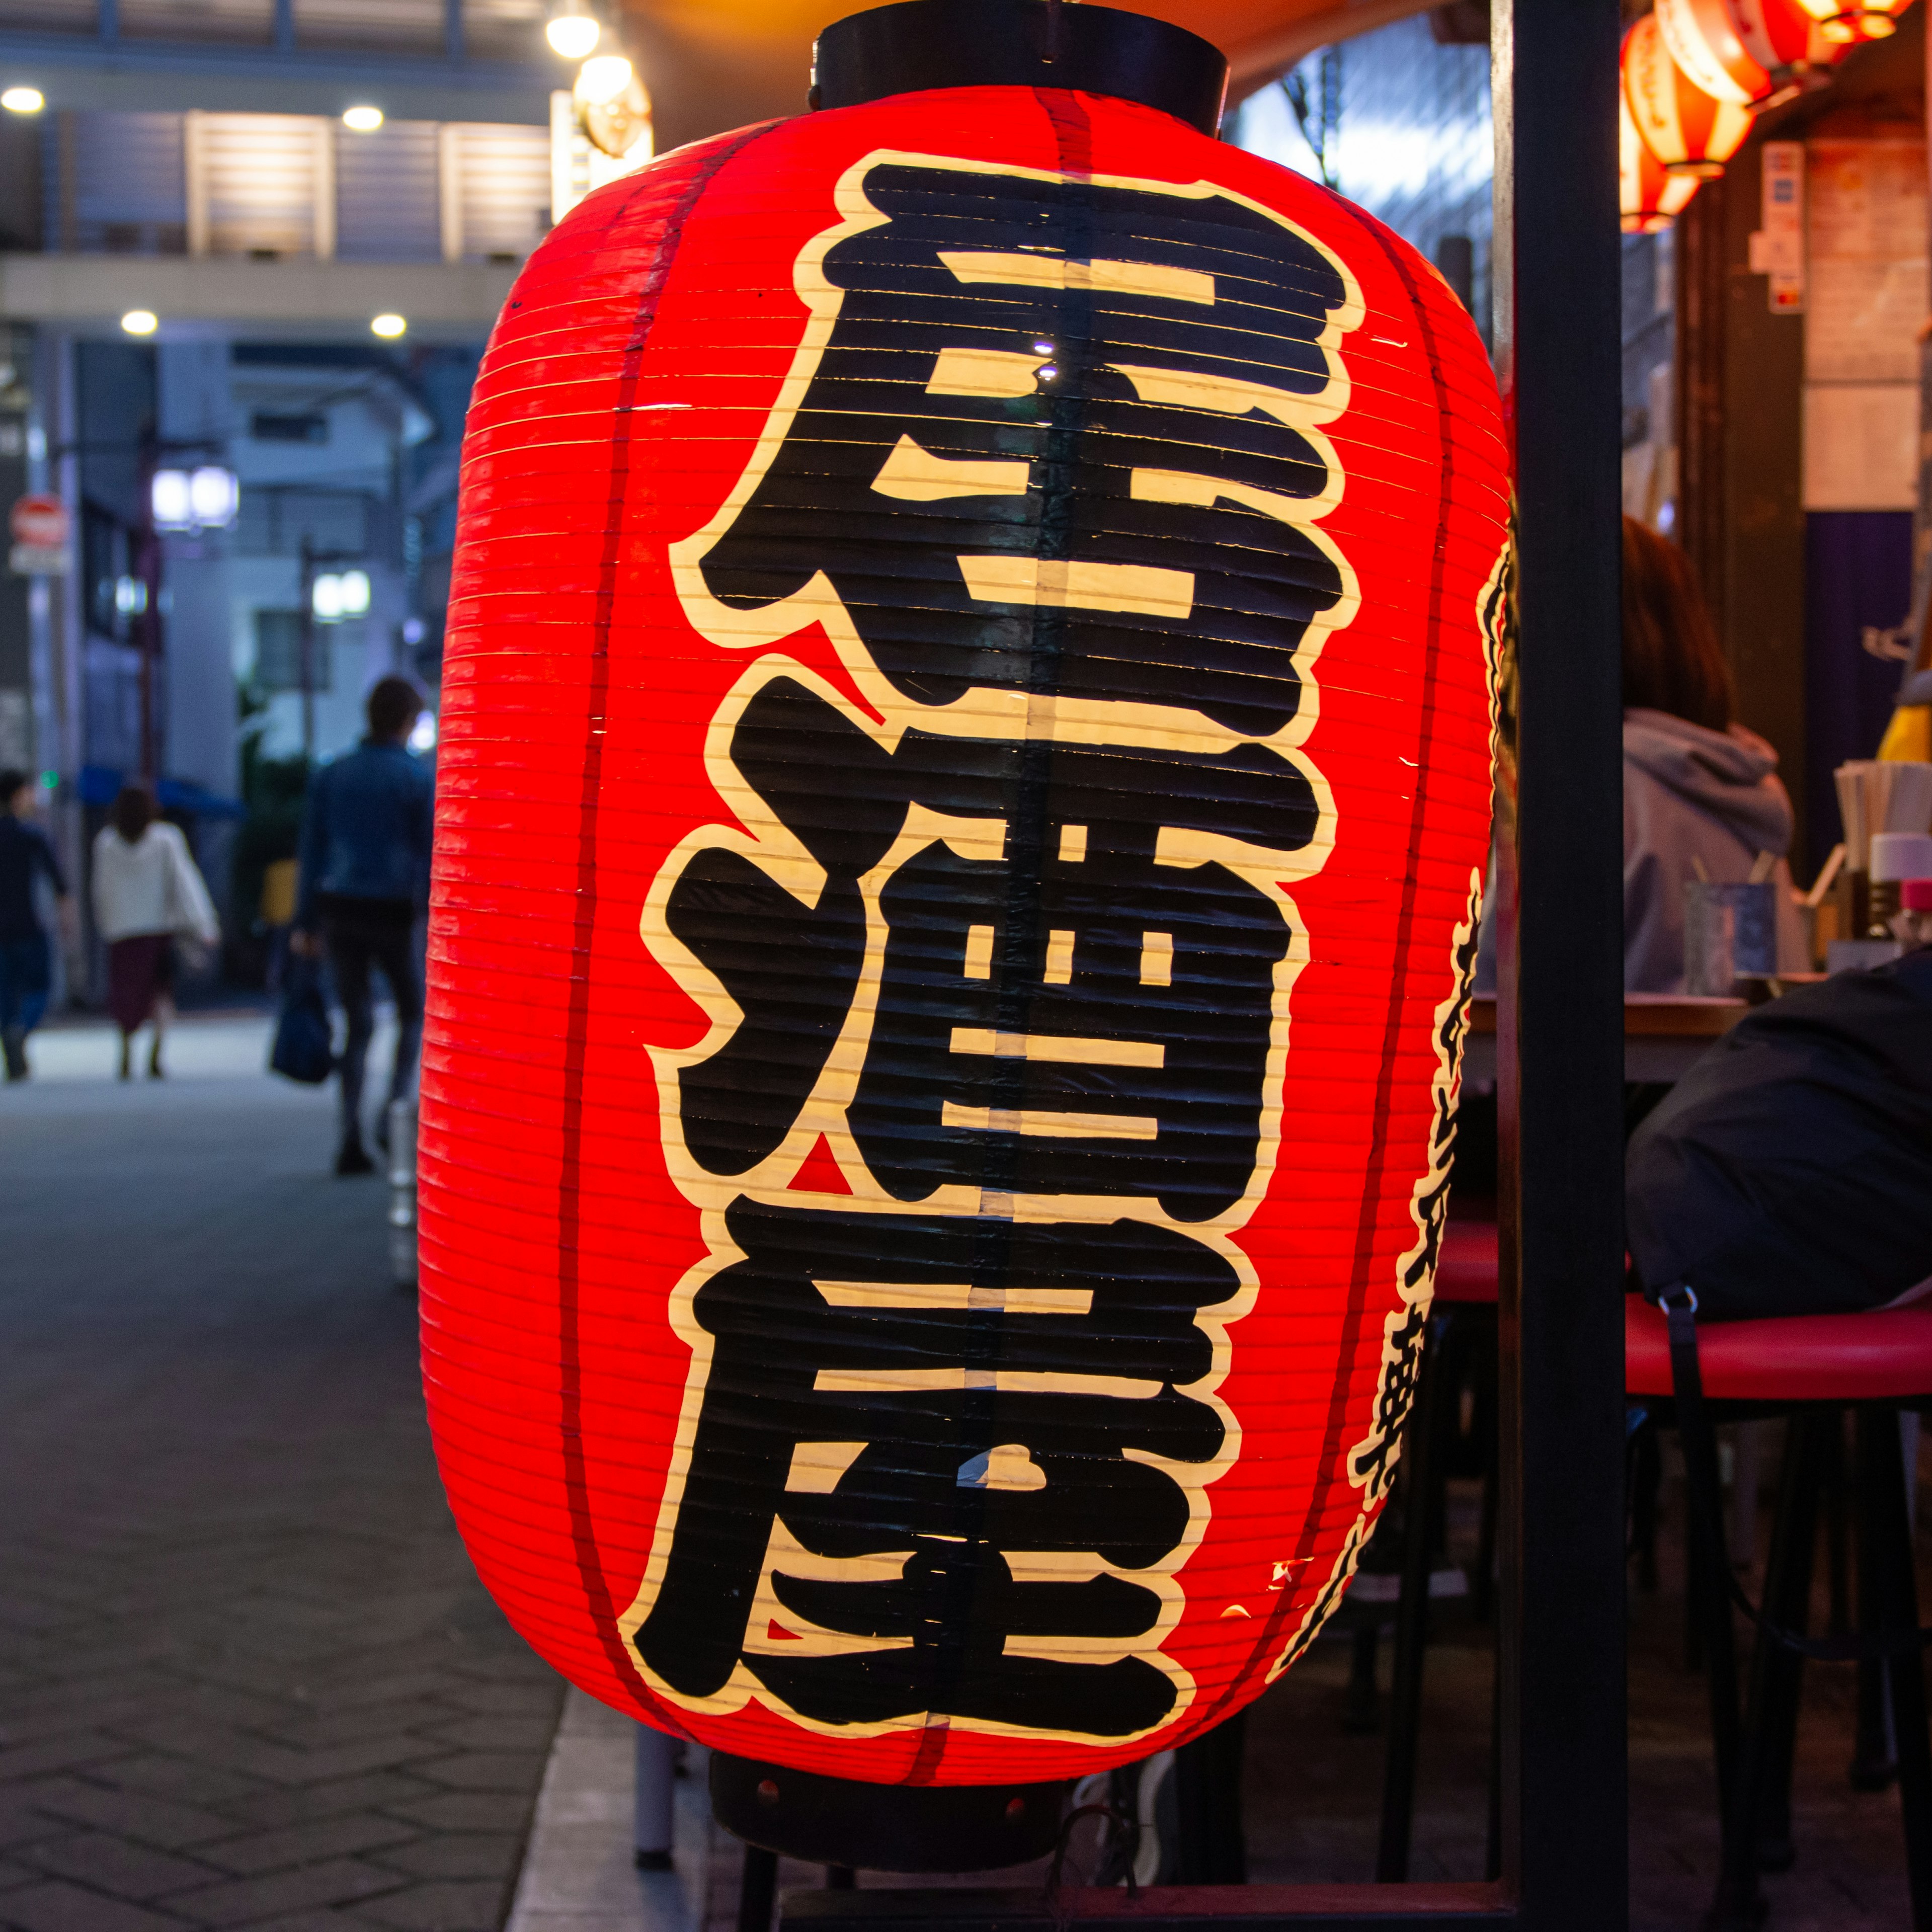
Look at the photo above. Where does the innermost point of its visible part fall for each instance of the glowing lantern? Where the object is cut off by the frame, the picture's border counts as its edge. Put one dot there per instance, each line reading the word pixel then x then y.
pixel 1746 52
pixel 965 765
pixel 1649 196
pixel 1688 131
pixel 1842 26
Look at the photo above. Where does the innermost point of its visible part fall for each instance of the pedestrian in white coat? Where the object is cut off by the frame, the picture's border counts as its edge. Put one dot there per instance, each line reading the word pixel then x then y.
pixel 148 894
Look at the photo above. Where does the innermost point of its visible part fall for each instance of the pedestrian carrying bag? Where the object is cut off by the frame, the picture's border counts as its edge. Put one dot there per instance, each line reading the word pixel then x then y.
pixel 304 1047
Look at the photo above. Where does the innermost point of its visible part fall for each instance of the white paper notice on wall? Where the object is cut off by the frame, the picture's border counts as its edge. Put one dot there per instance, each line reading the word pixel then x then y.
pixel 1860 445
pixel 1867 250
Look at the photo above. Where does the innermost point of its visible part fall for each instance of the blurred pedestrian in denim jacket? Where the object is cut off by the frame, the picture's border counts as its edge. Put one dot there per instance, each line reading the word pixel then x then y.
pixel 364 859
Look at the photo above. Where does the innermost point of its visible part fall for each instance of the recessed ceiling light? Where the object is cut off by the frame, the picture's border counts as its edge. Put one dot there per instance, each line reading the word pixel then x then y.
pixel 140 322
pixel 363 120
pixel 23 101
pixel 573 35
pixel 389 326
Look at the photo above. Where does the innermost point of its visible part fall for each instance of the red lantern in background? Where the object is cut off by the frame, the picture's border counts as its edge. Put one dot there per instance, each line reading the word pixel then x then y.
pixel 1649 197
pixel 1687 131
pixel 965 768
pixel 1746 52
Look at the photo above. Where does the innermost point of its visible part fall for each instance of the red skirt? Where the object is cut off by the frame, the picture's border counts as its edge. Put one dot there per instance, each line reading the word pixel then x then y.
pixel 139 970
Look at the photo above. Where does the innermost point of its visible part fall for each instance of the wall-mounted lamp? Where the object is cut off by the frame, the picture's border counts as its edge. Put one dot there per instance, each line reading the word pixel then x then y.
pixel 336 595
pixel 206 499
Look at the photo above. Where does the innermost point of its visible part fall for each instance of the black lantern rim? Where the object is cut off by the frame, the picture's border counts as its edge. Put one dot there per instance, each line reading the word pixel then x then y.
pixel 922 44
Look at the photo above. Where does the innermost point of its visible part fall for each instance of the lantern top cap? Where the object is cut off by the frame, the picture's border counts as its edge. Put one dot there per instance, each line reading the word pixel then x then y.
pixel 920 44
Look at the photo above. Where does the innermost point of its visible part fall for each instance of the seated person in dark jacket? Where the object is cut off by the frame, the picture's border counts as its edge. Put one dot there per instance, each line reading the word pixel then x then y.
pixel 1789 1171
pixel 365 853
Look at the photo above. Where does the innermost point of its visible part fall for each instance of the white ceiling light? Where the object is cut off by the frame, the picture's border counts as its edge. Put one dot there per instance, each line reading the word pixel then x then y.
pixel 571 32
pixel 362 120
pixel 30 100
pixel 388 327
pixel 140 322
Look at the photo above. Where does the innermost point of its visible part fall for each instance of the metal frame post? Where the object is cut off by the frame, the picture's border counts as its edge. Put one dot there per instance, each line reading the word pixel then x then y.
pixel 1560 1017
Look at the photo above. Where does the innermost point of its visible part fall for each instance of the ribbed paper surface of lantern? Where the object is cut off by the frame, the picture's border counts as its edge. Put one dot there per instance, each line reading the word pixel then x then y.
pixel 1744 51
pixel 964 776
pixel 1686 130
pixel 1649 197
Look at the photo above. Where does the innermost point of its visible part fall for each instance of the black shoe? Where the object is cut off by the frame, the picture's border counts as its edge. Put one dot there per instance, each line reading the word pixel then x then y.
pixel 14 1041
pixel 353 1160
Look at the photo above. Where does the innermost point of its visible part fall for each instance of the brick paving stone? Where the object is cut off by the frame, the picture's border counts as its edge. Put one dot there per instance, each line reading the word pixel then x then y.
pixel 21 1822
pixel 500 1733
pixel 475 1771
pixel 334 1882
pixel 501 1699
pixel 57 1753
pixel 459 1854
pixel 404 1686
pixel 154 1821
pixel 112 1864
pixel 277 1805
pixel 304 1844
pixel 58 1907
pixel 466 1811
pixel 315 1921
pixel 286 1764
pixel 341 1921
pixel 184 1779
pixel 314 1726
pixel 451 1906
pixel 241 1640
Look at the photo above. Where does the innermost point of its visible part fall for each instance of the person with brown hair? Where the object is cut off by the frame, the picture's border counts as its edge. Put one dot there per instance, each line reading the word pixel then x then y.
pixel 1702 796
pixel 147 893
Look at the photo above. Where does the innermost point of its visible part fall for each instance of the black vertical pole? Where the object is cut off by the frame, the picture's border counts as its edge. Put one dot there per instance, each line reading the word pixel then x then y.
pixel 1555 273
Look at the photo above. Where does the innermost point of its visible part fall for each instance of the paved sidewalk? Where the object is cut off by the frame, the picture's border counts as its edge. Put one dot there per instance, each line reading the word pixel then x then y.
pixel 579 1874
pixel 247 1677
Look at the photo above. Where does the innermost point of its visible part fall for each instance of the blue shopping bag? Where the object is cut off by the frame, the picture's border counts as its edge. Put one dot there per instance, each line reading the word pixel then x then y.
pixel 304 1047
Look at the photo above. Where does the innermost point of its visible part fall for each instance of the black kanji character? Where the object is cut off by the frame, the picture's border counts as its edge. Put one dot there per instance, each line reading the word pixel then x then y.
pixel 998 1387
pixel 1061 439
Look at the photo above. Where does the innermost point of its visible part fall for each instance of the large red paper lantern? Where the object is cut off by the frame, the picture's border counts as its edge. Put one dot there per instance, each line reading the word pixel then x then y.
pixel 965 765
pixel 1746 51
pixel 1687 130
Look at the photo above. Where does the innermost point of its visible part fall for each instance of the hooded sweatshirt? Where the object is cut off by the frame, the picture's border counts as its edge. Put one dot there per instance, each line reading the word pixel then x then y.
pixel 1691 793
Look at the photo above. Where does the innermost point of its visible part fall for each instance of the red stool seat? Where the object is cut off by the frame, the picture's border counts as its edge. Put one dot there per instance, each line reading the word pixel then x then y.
pixel 1885 1356
pixel 1466 1267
